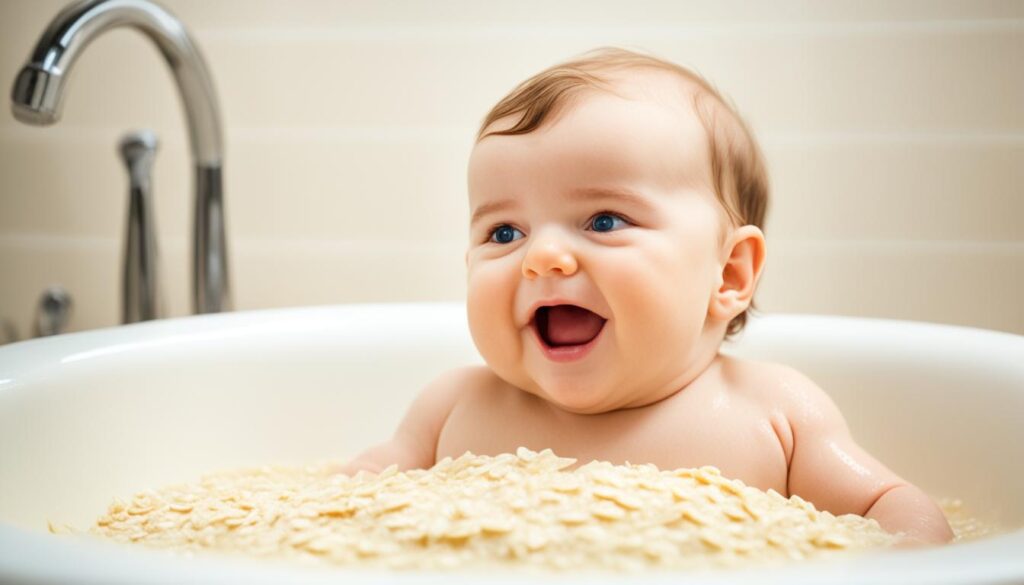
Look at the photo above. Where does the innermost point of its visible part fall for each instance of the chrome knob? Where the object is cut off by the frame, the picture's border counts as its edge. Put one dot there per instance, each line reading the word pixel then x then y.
pixel 53 312
pixel 140 297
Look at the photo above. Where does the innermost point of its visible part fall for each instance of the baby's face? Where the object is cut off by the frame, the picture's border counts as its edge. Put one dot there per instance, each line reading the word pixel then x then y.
pixel 608 208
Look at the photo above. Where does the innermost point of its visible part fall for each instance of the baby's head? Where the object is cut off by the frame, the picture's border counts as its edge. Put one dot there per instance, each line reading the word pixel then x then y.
pixel 617 203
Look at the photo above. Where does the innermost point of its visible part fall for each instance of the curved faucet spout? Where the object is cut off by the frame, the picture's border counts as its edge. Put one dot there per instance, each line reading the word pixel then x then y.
pixel 38 93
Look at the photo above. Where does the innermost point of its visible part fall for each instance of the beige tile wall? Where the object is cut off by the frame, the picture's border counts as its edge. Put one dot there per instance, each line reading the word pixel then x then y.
pixel 894 132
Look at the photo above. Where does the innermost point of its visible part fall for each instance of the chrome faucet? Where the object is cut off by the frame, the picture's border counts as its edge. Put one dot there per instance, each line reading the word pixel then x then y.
pixel 39 90
pixel 140 285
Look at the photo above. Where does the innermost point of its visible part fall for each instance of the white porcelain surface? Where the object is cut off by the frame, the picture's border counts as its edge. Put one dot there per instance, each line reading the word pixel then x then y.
pixel 90 416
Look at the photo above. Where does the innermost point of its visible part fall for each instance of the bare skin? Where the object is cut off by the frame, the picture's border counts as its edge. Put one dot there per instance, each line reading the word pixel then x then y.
pixel 741 416
pixel 609 208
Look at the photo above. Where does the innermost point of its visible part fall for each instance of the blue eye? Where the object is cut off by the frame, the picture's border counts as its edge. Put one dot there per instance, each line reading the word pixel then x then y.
pixel 504 234
pixel 606 222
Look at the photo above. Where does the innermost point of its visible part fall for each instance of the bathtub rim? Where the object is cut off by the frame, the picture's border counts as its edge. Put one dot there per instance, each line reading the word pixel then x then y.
pixel 109 340
pixel 23 362
pixel 113 563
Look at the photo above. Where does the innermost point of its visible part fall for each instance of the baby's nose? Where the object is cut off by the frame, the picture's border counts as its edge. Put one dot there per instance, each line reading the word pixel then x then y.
pixel 548 255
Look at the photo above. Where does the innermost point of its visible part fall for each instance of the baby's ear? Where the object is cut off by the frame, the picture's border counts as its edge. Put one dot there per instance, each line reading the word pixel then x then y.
pixel 746 254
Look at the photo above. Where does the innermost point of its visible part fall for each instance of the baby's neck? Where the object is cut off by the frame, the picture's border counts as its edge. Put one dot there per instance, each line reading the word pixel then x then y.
pixel 702 365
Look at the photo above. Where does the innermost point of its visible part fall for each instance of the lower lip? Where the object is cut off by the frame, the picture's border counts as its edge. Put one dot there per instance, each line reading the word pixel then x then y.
pixel 567 353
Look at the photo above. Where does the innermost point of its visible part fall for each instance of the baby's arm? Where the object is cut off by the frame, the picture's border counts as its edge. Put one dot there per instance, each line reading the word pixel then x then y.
pixel 415 441
pixel 831 471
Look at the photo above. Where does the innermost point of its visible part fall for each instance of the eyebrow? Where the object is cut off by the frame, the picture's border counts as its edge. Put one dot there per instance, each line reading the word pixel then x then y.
pixel 581 194
pixel 604 193
pixel 491 207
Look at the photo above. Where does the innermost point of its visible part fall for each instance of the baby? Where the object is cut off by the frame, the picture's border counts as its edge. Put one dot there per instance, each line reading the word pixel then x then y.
pixel 615 242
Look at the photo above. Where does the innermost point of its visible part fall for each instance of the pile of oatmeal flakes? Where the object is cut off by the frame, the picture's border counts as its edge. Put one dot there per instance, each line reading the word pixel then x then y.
pixel 524 509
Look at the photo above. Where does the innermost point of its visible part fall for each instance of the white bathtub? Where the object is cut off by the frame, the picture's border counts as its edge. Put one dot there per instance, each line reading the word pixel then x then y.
pixel 89 416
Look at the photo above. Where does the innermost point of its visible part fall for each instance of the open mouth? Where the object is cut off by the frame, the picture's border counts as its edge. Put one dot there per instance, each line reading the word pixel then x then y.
pixel 564 326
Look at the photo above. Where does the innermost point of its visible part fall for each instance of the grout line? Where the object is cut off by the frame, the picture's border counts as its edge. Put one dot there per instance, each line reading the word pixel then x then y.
pixel 786 139
pixel 14 133
pixel 477 31
pixel 912 246
pixel 335 245
pixel 277 246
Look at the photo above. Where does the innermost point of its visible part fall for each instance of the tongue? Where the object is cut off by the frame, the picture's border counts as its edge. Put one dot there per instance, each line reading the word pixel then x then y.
pixel 570 325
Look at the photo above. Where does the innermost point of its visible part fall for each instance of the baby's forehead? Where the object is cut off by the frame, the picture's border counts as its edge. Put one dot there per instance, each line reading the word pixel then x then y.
pixel 634 121
pixel 637 124
pixel 687 96
pixel 641 123
pixel 668 88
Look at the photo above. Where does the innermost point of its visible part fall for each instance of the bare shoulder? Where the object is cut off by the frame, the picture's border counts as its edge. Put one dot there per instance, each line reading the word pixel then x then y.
pixel 776 383
pixel 414 442
pixel 789 400
pixel 469 379
pixel 429 411
pixel 455 386
pixel 465 375
pixel 791 393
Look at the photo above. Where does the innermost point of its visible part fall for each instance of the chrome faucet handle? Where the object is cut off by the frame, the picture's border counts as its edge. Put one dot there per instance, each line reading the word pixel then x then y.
pixel 38 94
pixel 140 297
pixel 53 312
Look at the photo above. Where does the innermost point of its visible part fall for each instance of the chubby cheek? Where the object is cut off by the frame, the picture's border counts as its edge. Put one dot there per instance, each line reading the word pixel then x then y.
pixel 663 303
pixel 490 307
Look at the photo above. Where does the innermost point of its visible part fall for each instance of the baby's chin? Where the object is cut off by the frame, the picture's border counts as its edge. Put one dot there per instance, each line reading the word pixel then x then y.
pixel 569 393
pixel 595 399
pixel 578 400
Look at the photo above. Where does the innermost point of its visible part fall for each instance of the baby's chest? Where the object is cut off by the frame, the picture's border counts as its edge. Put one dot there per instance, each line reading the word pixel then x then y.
pixel 738 440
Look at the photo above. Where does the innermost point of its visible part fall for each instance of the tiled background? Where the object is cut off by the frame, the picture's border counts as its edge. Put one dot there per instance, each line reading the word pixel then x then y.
pixel 894 133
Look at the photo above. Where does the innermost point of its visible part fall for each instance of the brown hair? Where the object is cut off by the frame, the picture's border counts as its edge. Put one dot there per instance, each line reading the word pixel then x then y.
pixel 737 165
